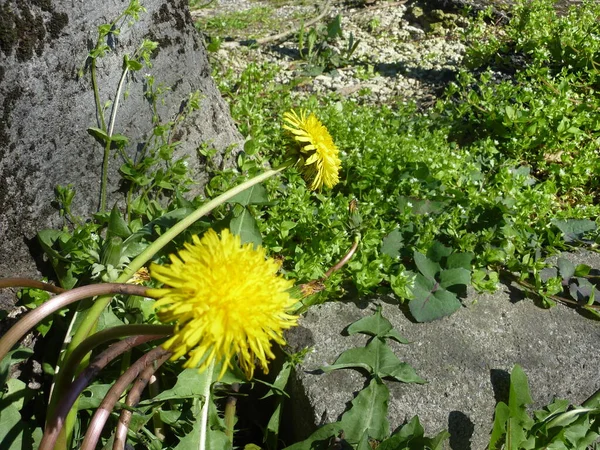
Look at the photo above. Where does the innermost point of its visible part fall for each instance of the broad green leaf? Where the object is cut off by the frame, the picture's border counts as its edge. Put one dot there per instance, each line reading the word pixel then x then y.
pixel 452 277
pixel 392 243
pixel 364 443
pixel 246 227
pixel 438 251
pixel 368 414
pixel 566 268
pixel 324 433
pixel 255 195
pixel 426 266
pixel 519 395
pixel 92 396
pixel 574 229
pixel 380 360
pixel 431 301
pixel 14 434
pixel 459 260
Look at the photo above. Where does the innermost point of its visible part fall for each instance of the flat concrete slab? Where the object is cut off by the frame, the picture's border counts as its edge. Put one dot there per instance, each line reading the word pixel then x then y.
pixel 466 359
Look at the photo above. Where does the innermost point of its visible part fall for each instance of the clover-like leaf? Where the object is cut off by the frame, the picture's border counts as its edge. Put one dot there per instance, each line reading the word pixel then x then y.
pixel 431 301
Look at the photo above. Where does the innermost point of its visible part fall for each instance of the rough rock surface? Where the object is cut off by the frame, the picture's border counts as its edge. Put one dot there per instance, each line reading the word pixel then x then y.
pixel 466 359
pixel 45 108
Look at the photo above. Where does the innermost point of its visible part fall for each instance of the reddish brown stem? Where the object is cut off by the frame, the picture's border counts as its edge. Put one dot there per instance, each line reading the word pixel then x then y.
pixel 97 424
pixel 342 261
pixel 28 283
pixel 82 381
pixel 133 398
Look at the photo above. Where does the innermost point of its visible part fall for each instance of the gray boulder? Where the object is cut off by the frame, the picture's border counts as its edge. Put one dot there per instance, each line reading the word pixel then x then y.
pixel 46 109
pixel 466 359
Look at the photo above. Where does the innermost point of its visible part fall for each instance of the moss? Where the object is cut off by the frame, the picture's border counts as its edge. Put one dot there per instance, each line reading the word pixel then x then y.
pixel 164 14
pixel 56 24
pixel 24 32
pixel 8 31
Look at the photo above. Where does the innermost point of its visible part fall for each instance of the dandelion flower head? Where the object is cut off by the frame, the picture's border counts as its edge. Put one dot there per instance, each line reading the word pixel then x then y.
pixel 322 163
pixel 226 299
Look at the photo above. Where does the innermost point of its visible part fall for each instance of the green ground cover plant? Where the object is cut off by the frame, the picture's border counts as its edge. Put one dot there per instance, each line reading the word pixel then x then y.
pixel 499 175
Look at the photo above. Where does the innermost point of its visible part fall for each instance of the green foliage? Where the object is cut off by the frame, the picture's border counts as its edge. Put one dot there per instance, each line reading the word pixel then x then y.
pixel 558 425
pixel 316 47
pixel 365 423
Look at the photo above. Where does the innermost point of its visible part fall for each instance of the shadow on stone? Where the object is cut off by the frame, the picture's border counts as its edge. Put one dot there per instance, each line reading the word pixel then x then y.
pixel 500 380
pixel 461 430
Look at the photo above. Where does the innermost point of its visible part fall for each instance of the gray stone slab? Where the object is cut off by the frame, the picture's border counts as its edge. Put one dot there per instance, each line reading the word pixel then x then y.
pixel 466 359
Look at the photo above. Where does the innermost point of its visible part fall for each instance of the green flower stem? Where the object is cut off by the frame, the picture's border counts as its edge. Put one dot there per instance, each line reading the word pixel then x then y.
pixel 31 319
pixel 91 316
pixel 111 127
pixel 230 408
pixel 28 283
pixel 205 406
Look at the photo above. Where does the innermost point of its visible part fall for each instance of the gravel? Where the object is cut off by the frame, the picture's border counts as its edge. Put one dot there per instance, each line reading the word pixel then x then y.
pixel 405 52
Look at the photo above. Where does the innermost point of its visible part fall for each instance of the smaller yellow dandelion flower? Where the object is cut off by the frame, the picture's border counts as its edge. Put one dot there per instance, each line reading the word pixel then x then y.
pixel 140 277
pixel 322 164
pixel 226 299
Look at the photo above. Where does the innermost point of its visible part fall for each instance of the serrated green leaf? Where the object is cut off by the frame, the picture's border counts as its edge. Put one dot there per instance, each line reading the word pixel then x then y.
pixel 378 359
pixel 426 266
pixel 246 227
pixel 368 414
pixel 255 195
pixel 374 325
pixel 431 301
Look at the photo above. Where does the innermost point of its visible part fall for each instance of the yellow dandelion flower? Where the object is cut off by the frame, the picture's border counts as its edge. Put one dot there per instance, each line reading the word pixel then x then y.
pixel 226 299
pixel 322 164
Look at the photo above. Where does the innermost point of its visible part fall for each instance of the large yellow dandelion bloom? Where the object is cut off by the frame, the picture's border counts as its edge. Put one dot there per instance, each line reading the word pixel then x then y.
pixel 225 299
pixel 322 164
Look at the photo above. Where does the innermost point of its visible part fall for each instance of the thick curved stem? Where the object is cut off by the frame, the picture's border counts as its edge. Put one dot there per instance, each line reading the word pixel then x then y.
pixel 31 319
pixel 97 424
pixel 70 367
pixel 62 410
